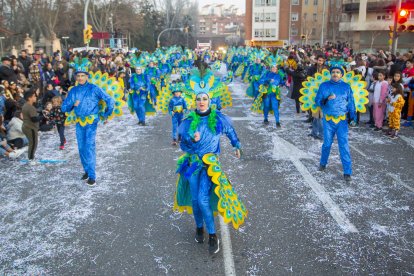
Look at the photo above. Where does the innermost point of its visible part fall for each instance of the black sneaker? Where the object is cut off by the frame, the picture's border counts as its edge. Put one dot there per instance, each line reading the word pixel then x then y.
pixel 266 121
pixel 321 168
pixel 347 177
pixel 199 236
pixel 85 176
pixel 91 182
pixel 278 125
pixel 377 129
pixel 213 244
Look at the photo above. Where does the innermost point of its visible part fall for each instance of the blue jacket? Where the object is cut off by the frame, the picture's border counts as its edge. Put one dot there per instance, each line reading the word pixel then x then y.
pixel 139 82
pixel 152 72
pixel 255 69
pixel 177 104
pixel 342 104
pixel 209 142
pixel 271 78
pixel 89 96
pixel 165 68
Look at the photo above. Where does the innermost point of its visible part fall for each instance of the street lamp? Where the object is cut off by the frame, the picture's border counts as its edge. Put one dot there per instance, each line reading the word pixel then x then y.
pixel 1 44
pixel 66 41
pixel 168 29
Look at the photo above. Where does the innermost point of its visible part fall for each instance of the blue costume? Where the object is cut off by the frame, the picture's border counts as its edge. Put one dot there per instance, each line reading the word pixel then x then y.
pixel 185 66
pixel 178 106
pixel 255 73
pixel 335 119
pixel 154 75
pixel 165 70
pixel 271 96
pixel 200 184
pixel 87 113
pixel 139 84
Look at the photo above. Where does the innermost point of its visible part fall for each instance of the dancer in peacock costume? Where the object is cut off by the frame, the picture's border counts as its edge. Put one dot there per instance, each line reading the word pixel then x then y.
pixel 165 69
pixel 339 96
pixel 176 108
pixel 154 74
pixel 255 73
pixel 184 67
pixel 269 98
pixel 141 99
pixel 100 98
pixel 202 187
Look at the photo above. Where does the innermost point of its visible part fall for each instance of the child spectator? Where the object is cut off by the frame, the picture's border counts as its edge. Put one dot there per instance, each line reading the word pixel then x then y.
pixel 58 118
pixel 395 104
pixel 45 123
pixel 15 135
pixel 379 101
pixel 31 123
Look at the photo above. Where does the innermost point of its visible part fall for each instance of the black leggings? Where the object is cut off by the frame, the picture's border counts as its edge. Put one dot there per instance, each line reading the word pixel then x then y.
pixel 32 136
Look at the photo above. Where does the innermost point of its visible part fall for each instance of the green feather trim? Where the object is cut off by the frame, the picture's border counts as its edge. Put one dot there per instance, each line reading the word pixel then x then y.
pixel 212 121
pixel 195 121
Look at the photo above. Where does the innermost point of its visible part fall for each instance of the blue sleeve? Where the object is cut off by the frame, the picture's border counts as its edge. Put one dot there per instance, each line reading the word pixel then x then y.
pixel 319 99
pixel 131 82
pixel 68 103
pixel 228 129
pixel 187 144
pixel 170 106
pixel 2 105
pixel 110 103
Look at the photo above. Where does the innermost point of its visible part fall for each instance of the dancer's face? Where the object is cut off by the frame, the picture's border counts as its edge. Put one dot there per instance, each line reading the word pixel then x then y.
pixel 202 103
pixel 336 74
pixel 81 78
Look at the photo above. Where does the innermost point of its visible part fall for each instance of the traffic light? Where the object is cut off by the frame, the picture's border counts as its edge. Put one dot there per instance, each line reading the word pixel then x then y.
pixel 403 16
pixel 303 37
pixel 410 28
pixel 87 34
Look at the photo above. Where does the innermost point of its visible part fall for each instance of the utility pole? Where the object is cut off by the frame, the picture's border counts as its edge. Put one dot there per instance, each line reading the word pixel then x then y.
pixel 323 21
pixel 290 21
pixel 85 18
pixel 394 31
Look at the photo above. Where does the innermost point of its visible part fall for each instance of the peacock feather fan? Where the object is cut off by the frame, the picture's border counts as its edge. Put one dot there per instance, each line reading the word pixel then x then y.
pixel 311 86
pixel 81 64
pixel 112 87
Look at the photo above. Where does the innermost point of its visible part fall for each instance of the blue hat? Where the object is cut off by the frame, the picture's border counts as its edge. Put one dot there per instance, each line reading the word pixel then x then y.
pixel 81 65
pixel 337 64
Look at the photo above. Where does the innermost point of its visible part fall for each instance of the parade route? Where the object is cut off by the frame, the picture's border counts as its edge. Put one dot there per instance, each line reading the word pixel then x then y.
pixel 300 221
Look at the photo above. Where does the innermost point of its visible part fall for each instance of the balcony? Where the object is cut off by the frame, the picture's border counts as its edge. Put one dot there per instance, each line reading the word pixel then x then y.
pixel 352 6
pixel 367 26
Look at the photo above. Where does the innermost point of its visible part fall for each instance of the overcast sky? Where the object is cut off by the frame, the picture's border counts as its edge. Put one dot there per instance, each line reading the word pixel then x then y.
pixel 241 4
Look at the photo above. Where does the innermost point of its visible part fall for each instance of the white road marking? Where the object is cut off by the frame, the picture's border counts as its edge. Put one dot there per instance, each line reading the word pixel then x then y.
pixel 284 150
pixel 357 150
pixel 260 118
pixel 409 141
pixel 398 181
pixel 229 268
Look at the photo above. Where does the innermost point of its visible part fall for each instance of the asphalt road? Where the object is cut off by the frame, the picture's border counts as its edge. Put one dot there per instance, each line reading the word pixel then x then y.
pixel 301 221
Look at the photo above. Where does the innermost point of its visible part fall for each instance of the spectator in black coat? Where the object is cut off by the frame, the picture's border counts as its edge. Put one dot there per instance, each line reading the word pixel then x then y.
pixel 6 71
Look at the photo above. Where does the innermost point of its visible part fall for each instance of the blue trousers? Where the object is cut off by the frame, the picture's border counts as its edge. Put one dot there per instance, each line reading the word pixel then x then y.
pixel 317 128
pixel 341 131
pixel 201 189
pixel 176 121
pixel 271 101
pixel 139 106
pixel 86 146
pixel 256 85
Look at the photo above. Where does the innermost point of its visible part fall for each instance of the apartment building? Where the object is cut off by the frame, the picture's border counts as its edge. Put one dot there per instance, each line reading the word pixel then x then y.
pixel 365 23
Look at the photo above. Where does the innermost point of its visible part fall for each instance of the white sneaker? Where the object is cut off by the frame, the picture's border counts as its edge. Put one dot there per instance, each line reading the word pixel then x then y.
pixel 13 155
pixel 33 162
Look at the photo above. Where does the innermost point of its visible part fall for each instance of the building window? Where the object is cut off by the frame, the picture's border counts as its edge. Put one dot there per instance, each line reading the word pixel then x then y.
pixel 295 2
pixel 315 2
pixel 259 3
pixel 256 17
pixel 295 16
pixel 294 31
pixel 306 2
pixel 315 17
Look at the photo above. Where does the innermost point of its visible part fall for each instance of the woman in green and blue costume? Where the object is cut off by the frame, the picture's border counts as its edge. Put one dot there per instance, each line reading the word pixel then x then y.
pixel 202 186
pixel 139 83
